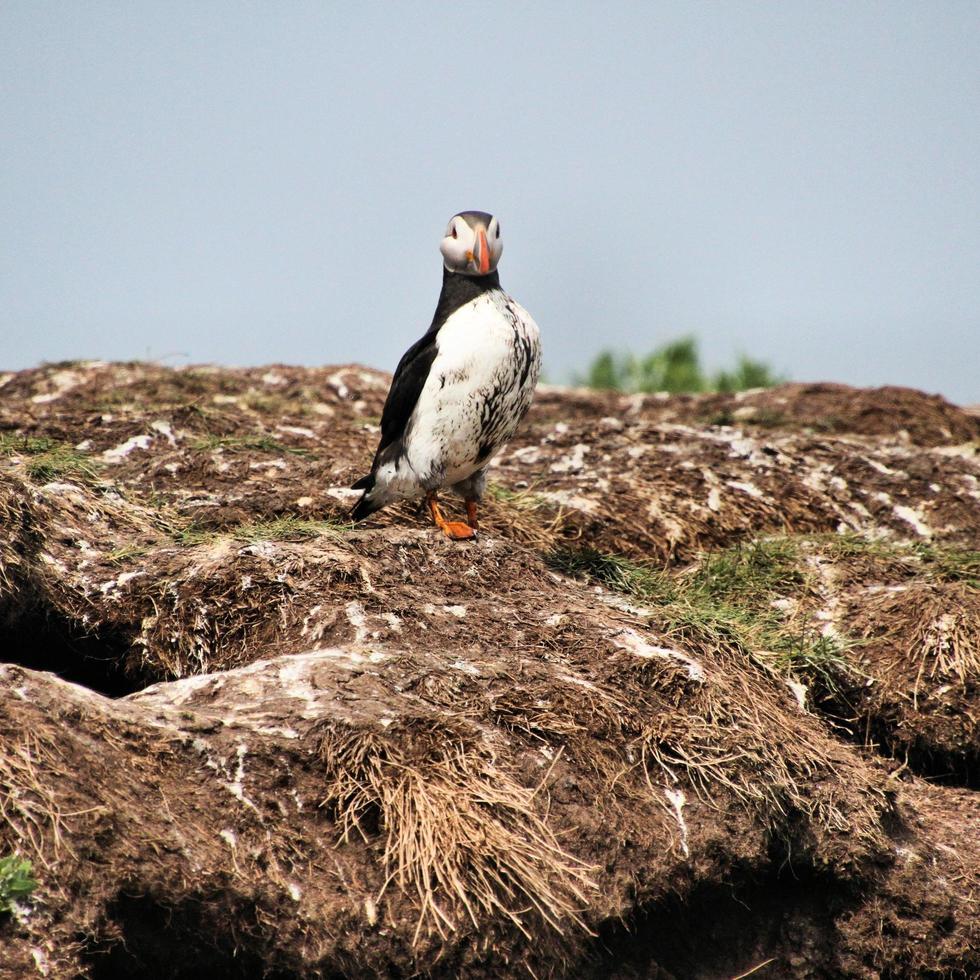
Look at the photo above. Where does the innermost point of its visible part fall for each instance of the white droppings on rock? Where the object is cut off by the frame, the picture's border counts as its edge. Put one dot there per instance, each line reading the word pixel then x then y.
pixel 63 381
pixel 336 381
pixel 573 462
pixel 742 447
pixel 393 621
pixel 297 430
pixel 748 488
pixel 228 836
pixel 458 611
pixel 118 453
pixel 236 785
pixel 527 454
pixel 357 618
pixel 799 692
pixel 277 731
pixel 261 549
pixel 164 429
pixel 465 667
pixel 556 619
pixel 966 450
pixel 273 379
pixel 677 799
pixel 295 892
pixel 115 583
pixel 881 468
pixel 624 605
pixel 914 517
pixel 631 640
pixel 566 498
pixel 304 501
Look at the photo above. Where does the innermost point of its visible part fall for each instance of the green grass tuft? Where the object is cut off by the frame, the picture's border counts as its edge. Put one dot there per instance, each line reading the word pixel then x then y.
pixel 726 600
pixel 277 529
pixel 48 459
pixel 946 563
pixel 521 499
pixel 641 582
pixel 245 444
pixel 286 529
pixel 16 881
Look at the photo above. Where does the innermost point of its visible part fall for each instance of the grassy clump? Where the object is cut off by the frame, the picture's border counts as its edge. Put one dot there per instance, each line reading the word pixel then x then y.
pixel 525 499
pixel 245 444
pixel 676 368
pixel 48 459
pixel 286 528
pixel 727 599
pixel 942 562
pixel 16 881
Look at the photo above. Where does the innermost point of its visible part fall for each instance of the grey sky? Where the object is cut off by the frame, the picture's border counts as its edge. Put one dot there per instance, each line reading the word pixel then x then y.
pixel 249 183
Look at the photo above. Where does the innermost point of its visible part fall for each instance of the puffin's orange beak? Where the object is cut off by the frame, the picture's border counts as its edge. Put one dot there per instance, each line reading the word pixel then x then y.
pixel 484 252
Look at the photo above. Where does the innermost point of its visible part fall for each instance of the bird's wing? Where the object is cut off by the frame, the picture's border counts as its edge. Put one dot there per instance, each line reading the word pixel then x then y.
pixel 406 386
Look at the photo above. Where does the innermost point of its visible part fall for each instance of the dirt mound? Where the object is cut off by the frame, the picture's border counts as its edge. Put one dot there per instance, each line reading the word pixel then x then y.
pixel 664 718
pixel 901 414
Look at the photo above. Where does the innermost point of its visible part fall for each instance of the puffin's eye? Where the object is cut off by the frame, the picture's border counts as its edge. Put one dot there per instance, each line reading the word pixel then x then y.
pixel 497 235
pixel 454 232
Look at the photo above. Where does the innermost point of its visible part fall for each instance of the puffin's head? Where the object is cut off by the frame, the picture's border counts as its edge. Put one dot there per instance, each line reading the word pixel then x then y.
pixel 472 245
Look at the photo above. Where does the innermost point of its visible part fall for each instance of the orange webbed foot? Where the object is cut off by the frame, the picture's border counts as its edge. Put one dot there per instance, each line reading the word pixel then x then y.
pixel 457 530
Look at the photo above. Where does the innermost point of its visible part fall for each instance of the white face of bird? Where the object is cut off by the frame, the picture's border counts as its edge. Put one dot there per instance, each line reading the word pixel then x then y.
pixel 472 244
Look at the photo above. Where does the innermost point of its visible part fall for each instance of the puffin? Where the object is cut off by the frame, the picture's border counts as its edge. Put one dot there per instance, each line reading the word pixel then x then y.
pixel 460 392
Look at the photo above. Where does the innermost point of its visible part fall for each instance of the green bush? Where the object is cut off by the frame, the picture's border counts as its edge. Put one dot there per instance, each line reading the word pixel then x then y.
pixel 676 368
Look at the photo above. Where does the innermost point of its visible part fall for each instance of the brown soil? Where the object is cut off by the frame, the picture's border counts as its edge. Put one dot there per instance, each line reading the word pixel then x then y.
pixel 374 752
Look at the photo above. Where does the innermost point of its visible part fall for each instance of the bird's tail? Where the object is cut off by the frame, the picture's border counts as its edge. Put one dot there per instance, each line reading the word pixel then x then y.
pixel 365 506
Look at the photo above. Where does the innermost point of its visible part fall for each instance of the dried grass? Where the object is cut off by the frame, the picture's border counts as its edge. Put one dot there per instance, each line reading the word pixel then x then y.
pixel 932 631
pixel 30 815
pixel 461 835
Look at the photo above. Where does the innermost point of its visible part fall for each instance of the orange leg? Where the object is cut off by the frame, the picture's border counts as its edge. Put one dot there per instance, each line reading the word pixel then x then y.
pixel 471 514
pixel 456 530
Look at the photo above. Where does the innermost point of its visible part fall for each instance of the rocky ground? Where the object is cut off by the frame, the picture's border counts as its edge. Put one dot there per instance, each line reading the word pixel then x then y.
pixel 701 701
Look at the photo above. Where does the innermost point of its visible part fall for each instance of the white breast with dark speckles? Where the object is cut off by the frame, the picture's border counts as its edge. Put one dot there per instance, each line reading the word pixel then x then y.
pixel 479 388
